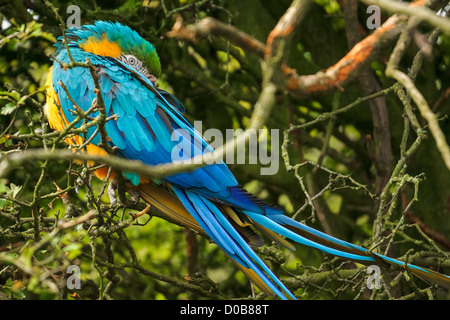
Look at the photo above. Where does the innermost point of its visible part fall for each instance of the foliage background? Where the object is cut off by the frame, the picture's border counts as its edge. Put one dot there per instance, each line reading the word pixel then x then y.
pixel 219 83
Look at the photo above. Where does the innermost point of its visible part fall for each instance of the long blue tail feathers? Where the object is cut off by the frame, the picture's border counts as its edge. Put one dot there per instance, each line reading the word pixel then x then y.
pixel 230 230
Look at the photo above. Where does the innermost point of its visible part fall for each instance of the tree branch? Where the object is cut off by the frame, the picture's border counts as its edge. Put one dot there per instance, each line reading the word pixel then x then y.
pixel 393 71
pixel 210 26
pixel 416 9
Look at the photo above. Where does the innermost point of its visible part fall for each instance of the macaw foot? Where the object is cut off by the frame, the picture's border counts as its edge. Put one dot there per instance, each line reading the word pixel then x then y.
pixel 135 195
pixel 112 186
pixel 79 182
pixel 137 215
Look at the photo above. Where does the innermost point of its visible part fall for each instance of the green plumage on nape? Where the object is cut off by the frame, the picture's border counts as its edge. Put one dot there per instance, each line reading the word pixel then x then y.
pixel 128 40
pixel 132 43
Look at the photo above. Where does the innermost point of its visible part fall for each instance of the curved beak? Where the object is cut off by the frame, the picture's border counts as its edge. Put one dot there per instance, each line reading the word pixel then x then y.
pixel 152 79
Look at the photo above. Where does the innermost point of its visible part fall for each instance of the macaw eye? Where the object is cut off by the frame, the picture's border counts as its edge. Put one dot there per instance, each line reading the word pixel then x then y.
pixel 130 60
pixel 134 62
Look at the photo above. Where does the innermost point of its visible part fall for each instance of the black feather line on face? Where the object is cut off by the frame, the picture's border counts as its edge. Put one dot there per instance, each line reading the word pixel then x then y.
pixel 137 64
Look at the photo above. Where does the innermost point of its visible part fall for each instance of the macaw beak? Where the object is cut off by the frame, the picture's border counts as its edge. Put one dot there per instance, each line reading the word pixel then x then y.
pixel 152 79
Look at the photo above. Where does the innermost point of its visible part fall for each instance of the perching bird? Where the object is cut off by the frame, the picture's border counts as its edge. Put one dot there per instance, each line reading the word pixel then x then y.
pixel 208 200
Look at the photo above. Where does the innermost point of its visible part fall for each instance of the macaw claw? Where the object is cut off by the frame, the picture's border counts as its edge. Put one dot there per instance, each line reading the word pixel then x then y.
pixel 112 186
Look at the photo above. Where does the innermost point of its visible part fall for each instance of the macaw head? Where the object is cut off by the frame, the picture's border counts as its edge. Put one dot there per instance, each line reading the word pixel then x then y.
pixel 109 39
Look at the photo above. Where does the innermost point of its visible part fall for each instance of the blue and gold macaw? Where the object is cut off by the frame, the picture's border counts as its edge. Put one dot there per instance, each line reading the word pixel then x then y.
pixel 208 200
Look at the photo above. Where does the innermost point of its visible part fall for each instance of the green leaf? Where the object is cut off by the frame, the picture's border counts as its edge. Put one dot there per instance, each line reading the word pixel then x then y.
pixel 8 108
pixel 15 189
pixel 4 203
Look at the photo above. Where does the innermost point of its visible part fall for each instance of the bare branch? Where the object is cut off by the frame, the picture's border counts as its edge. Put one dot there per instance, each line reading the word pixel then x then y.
pixel 415 9
pixel 210 26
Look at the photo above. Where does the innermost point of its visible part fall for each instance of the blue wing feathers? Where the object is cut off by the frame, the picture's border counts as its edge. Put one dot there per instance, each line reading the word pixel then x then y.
pixel 124 102
pixel 131 135
pixel 115 134
pixel 107 100
pixel 117 109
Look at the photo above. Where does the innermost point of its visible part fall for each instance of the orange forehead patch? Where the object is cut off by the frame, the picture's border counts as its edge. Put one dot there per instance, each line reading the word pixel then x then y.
pixel 101 47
